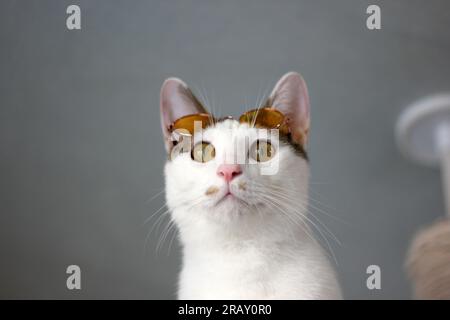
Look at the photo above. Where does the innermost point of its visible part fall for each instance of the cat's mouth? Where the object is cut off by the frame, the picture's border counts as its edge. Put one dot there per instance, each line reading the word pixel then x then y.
pixel 228 196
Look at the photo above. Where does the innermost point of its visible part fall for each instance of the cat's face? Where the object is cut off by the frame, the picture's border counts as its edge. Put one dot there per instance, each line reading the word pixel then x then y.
pixel 234 171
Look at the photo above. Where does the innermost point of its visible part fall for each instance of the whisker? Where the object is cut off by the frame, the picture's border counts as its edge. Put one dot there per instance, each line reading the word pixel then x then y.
pixel 262 101
pixel 157 223
pixel 174 235
pixel 154 214
pixel 285 191
pixel 155 196
pixel 170 224
pixel 268 203
pixel 164 235
pixel 299 222
pixel 330 249
pixel 293 203
pixel 305 207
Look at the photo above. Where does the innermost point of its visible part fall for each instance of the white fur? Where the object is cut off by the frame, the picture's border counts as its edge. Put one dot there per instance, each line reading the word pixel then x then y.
pixel 246 248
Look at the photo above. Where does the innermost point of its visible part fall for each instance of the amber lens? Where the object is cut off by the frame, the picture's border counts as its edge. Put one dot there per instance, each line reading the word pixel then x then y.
pixel 263 118
pixel 188 122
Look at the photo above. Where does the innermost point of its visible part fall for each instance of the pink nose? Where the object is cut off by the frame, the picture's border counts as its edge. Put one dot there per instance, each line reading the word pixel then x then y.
pixel 229 171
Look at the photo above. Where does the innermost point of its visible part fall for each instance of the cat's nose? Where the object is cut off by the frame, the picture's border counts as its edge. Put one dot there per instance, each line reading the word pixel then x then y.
pixel 229 171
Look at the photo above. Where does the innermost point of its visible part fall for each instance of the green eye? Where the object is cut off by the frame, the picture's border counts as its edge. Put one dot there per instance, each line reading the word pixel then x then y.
pixel 203 152
pixel 262 151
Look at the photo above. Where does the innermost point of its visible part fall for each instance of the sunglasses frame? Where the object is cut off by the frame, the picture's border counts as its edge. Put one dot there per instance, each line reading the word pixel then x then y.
pixel 282 125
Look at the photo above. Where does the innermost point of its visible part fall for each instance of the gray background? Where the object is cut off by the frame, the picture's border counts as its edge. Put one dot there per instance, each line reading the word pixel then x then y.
pixel 81 148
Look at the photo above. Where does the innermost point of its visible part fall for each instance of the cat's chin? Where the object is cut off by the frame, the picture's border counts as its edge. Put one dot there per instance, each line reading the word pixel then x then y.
pixel 232 199
pixel 226 199
pixel 231 206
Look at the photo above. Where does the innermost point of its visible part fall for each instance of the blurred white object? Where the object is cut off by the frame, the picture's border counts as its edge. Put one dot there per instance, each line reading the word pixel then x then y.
pixel 423 135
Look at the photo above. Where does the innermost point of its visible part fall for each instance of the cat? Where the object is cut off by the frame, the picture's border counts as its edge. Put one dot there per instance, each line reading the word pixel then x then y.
pixel 244 234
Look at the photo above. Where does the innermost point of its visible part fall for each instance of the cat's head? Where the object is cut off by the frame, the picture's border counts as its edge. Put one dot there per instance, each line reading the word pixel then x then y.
pixel 220 175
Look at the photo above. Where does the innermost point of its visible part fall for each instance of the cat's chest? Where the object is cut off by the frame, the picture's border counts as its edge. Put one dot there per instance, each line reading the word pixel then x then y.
pixel 227 281
pixel 236 273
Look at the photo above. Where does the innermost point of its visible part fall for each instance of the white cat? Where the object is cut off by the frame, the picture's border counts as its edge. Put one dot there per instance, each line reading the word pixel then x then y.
pixel 245 234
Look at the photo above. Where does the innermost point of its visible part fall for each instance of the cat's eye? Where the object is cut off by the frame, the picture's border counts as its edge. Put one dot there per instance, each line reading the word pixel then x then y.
pixel 203 152
pixel 262 151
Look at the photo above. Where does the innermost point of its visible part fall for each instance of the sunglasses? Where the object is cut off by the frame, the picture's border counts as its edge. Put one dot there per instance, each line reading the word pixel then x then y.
pixel 267 117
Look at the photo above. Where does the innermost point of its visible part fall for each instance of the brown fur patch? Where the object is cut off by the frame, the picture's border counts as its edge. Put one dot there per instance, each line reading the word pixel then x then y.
pixel 211 190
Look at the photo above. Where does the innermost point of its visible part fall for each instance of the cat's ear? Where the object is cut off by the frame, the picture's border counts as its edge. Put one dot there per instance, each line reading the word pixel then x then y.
pixel 176 101
pixel 290 96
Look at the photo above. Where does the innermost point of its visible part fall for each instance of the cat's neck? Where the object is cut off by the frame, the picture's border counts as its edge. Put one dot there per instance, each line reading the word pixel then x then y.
pixel 257 231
